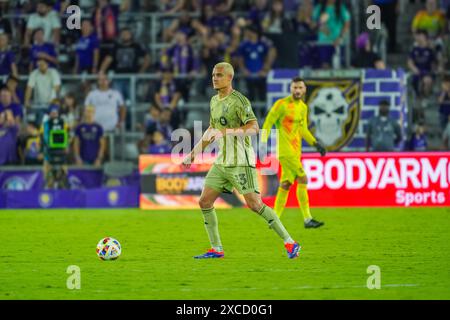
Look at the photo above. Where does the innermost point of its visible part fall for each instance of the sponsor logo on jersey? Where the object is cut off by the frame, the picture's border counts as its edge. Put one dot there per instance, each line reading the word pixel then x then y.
pixel 223 121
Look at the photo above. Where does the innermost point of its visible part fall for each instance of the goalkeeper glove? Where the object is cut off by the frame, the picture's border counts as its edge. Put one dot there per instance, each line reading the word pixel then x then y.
pixel 320 148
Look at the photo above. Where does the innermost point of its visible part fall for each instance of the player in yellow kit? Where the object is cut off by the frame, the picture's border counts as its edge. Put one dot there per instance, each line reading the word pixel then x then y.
pixel 290 117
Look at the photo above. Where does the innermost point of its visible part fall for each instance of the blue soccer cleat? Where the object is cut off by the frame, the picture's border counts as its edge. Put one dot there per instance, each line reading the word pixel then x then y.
pixel 292 249
pixel 211 254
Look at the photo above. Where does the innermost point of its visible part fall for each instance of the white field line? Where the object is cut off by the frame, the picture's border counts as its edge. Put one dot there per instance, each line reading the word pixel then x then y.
pixel 394 285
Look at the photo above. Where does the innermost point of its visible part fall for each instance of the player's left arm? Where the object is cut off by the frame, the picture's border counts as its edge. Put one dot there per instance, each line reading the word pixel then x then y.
pixel 304 131
pixel 308 136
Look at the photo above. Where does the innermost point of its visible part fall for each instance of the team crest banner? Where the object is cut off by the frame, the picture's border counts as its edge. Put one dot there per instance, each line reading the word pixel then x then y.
pixel 341 103
pixel 334 110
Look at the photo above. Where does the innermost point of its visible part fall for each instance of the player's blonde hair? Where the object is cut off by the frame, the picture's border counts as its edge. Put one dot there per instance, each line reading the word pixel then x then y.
pixel 228 68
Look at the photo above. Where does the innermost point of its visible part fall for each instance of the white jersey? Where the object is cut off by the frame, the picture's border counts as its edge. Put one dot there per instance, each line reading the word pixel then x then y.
pixel 106 104
pixel 44 86
pixel 47 23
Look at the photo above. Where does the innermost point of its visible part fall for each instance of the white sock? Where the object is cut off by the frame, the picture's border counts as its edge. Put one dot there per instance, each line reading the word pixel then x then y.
pixel 289 240
pixel 307 220
pixel 218 249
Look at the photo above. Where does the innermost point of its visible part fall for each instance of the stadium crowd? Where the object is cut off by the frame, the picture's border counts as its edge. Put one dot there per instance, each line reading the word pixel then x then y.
pixel 34 42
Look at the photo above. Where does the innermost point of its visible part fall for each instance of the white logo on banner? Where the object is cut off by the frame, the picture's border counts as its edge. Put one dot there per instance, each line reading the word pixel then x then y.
pixel 329 111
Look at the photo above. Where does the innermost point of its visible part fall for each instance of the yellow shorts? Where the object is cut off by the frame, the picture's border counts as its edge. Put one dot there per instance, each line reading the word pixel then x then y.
pixel 291 168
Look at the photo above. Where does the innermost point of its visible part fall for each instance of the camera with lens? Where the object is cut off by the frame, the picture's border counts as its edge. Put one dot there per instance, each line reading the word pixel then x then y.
pixel 56 144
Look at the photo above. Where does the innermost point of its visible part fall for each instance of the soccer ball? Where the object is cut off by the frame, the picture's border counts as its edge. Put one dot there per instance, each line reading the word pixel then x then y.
pixel 108 249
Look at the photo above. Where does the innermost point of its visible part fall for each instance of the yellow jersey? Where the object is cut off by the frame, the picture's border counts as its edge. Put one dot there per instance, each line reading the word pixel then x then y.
pixel 290 118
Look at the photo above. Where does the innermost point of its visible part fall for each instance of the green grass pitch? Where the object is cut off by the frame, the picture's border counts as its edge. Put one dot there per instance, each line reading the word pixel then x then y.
pixel 411 247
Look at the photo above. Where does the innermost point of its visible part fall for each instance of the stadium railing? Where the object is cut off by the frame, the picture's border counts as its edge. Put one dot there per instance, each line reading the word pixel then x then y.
pixel 122 143
pixel 148 26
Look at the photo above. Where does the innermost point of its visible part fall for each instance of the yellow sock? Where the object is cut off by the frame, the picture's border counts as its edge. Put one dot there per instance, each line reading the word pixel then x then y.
pixel 280 201
pixel 302 197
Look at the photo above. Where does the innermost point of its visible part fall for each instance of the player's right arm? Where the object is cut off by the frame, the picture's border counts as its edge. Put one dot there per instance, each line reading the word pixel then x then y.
pixel 272 117
pixel 208 137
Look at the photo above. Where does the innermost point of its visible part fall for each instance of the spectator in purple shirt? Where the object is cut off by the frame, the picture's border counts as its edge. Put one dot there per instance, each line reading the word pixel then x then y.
pixel 87 50
pixel 8 139
pixel 151 119
pixel 42 50
pixel 181 59
pixel 221 20
pixel 163 125
pixel 418 140
pixel 12 83
pixel 422 62
pixel 257 13
pixel 181 55
pixel 187 24
pixel 167 91
pixel 159 145
pixel 158 122
pixel 89 142
pixel 6 104
pixel 7 62
pixel 168 94
pixel 256 59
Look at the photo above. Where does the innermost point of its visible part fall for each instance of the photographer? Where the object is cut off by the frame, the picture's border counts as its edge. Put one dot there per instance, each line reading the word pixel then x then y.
pixel 55 138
